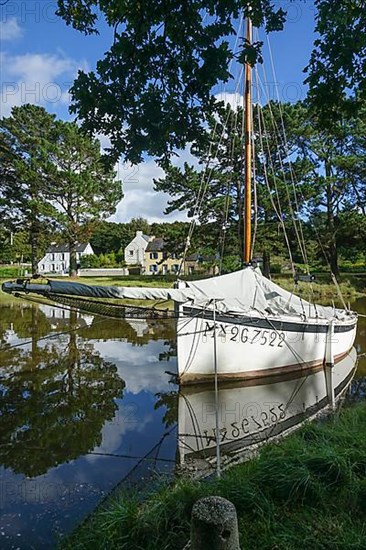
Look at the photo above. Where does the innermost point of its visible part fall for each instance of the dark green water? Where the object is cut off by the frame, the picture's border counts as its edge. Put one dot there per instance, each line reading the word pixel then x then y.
pixel 85 404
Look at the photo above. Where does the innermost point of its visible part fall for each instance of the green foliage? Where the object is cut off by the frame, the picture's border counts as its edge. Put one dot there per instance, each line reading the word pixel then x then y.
pixel 153 90
pixel 58 177
pixel 9 272
pixel 89 261
pixel 337 64
pixel 114 237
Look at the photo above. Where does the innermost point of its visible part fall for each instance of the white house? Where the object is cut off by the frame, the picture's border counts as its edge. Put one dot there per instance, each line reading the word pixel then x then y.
pixel 57 258
pixel 135 251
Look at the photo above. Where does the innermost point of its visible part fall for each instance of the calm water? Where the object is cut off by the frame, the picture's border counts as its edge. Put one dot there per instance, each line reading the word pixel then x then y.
pixel 87 404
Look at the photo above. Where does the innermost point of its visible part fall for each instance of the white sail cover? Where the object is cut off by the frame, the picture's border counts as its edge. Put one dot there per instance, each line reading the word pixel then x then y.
pixel 240 292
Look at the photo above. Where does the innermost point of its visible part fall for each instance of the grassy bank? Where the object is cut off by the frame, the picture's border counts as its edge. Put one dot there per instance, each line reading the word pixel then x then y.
pixel 351 287
pixel 309 491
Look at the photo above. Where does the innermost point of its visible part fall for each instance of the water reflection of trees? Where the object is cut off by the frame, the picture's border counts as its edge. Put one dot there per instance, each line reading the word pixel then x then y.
pixel 169 400
pixel 54 399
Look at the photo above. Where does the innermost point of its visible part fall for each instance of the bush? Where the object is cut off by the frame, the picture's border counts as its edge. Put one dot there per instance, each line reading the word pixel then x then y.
pixel 276 268
pixel 349 267
pixel 89 261
pixel 8 272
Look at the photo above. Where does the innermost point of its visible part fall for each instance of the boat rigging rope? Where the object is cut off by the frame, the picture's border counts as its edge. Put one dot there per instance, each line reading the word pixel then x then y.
pixel 296 219
pixel 206 178
pixel 275 134
pixel 266 159
pixel 295 183
pixel 228 186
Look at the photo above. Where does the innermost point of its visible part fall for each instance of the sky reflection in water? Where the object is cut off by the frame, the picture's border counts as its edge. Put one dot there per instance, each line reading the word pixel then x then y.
pixel 86 410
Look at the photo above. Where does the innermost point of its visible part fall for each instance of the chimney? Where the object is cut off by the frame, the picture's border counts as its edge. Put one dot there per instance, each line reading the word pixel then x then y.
pixel 138 233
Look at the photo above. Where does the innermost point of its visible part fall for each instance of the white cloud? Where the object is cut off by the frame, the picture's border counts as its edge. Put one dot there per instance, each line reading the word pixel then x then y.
pixel 140 199
pixel 41 79
pixel 10 29
pixel 40 67
pixel 139 367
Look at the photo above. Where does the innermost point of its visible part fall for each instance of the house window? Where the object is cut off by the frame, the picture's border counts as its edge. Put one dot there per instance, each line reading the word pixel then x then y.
pixel 62 255
pixel 154 255
pixel 154 268
pixel 175 268
pixel 131 252
pixel 42 267
pixel 52 257
pixel 53 267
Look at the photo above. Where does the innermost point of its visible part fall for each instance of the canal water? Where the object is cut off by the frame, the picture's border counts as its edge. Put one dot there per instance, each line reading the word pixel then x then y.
pixel 89 404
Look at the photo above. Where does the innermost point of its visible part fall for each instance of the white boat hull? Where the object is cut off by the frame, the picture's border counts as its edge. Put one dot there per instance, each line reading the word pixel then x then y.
pixel 256 346
pixel 247 415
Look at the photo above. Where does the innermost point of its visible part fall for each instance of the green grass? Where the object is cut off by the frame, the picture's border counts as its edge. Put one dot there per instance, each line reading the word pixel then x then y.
pixel 308 491
pixel 351 288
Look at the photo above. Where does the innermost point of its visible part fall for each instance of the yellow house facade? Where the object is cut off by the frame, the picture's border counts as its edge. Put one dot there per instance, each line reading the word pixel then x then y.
pixel 158 261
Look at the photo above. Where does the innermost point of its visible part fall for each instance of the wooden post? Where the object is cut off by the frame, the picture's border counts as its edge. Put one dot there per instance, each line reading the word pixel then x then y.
pixel 214 525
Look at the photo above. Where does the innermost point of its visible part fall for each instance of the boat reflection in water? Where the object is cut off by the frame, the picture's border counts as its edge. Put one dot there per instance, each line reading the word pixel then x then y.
pixel 250 414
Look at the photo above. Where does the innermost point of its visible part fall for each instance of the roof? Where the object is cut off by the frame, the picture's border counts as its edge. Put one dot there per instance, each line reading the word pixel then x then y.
pixel 54 248
pixel 156 245
pixel 146 237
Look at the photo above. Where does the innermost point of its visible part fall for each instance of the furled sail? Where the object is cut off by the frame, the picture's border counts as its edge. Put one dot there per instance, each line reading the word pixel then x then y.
pixel 240 292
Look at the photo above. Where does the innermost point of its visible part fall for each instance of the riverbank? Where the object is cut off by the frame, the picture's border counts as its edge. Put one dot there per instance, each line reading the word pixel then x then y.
pixel 322 288
pixel 308 491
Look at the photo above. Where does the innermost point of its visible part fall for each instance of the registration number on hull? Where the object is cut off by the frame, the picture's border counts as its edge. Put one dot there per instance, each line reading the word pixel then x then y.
pixel 244 335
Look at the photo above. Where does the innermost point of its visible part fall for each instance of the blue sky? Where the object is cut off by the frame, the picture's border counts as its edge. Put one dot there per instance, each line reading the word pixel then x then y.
pixel 40 56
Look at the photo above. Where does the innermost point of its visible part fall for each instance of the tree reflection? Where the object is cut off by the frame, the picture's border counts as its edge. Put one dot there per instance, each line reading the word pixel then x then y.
pixel 169 400
pixel 54 400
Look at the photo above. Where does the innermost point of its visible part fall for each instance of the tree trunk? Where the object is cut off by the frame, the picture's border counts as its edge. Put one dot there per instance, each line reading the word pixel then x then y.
pixel 73 260
pixel 332 244
pixel 267 264
pixel 333 258
pixel 34 246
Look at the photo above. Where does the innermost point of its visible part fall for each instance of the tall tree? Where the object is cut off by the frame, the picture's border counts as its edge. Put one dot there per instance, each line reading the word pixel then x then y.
pixel 79 185
pixel 337 64
pixel 57 177
pixel 24 137
pixel 327 150
pixel 154 88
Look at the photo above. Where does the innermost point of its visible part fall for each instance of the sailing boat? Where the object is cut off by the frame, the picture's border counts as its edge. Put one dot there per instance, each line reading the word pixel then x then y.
pixel 240 325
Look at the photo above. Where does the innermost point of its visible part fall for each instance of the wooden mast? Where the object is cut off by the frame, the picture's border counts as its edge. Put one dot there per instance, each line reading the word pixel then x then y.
pixel 248 154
